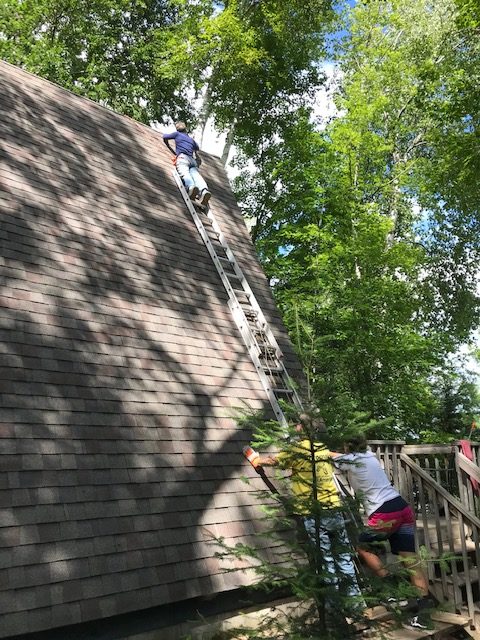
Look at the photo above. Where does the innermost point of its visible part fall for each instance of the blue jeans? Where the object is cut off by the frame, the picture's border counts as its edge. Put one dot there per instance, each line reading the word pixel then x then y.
pixel 332 533
pixel 189 173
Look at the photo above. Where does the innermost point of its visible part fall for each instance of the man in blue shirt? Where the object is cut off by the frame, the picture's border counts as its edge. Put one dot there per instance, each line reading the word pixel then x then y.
pixel 188 161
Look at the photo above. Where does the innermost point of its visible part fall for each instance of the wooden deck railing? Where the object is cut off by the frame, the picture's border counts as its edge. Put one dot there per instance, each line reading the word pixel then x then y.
pixel 451 534
pixel 440 461
pixel 443 486
pixel 388 451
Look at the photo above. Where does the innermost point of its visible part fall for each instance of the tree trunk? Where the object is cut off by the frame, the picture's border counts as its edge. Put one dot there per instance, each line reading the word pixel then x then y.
pixel 204 114
pixel 228 145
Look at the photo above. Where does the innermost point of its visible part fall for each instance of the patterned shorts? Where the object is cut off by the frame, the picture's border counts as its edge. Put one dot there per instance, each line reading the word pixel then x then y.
pixel 393 521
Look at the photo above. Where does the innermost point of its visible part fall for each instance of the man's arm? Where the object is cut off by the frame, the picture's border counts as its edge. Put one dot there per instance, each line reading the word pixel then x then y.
pixel 266 461
pixel 198 157
pixel 166 139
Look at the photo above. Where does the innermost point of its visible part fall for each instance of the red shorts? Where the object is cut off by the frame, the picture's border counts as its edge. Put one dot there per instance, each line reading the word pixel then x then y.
pixel 393 521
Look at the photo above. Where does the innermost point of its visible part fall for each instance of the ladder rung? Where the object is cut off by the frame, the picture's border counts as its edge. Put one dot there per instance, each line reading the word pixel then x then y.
pixel 283 391
pixel 217 247
pixel 225 260
pixel 241 292
pixel 273 371
pixel 266 357
pixel 233 275
pixel 272 357
pixel 267 347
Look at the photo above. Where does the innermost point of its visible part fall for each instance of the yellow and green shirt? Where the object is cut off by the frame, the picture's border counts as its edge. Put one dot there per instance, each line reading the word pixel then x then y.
pixel 299 457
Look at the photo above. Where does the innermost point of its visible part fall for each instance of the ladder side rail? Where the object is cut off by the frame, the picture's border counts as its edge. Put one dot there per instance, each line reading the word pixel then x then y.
pixel 205 238
pixel 278 368
pixel 239 317
pixel 244 283
pixel 234 305
pixel 290 385
pixel 264 325
pixel 213 254
pixel 218 264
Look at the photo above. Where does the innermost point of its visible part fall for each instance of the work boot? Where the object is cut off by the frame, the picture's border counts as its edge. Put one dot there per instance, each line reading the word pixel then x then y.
pixel 193 192
pixel 205 197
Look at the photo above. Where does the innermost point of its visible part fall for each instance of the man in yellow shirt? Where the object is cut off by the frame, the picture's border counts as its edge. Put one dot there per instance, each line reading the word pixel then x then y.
pixel 316 500
pixel 312 475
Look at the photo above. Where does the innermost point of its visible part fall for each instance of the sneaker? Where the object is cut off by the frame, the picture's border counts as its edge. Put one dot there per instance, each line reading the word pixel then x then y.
pixel 205 197
pixel 193 192
pixel 395 602
pixel 421 622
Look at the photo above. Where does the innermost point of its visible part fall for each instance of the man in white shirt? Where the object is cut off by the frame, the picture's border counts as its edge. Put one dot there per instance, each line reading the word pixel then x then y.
pixel 389 516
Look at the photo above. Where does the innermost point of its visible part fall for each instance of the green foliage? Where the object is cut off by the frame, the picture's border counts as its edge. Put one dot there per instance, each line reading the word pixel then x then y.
pixel 281 556
pixel 105 50
pixel 456 408
pixel 368 226
pixel 262 60
pixel 143 58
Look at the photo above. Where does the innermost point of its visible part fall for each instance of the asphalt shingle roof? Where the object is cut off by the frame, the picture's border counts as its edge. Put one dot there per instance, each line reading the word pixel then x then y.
pixel 120 368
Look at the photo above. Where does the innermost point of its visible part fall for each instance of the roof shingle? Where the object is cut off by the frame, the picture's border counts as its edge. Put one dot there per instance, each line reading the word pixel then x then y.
pixel 121 369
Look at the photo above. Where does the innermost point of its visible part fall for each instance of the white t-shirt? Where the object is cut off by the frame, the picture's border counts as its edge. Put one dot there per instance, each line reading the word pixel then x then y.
pixel 367 479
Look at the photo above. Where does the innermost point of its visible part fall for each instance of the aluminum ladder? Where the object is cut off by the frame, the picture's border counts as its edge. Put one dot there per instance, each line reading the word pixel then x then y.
pixel 261 344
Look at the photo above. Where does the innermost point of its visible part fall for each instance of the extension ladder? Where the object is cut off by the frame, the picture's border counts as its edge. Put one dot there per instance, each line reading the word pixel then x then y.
pixel 258 337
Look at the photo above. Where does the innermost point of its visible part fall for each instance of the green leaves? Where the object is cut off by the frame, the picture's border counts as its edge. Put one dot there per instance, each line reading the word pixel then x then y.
pixel 368 229
pixel 255 61
pixel 103 50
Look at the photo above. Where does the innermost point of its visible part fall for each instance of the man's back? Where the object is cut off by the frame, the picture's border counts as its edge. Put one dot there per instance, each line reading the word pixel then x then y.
pixel 183 143
pixel 367 478
pixel 299 458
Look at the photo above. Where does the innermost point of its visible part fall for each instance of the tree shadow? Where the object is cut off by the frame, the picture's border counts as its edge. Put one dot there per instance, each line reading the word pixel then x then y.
pixel 121 371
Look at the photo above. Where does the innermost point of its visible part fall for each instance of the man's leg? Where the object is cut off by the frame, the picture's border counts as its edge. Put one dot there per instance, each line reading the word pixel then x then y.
pixel 426 603
pixel 321 545
pixel 183 168
pixel 402 542
pixel 373 562
pixel 330 615
pixel 417 574
pixel 340 551
pixel 333 553
pixel 197 178
pixel 200 184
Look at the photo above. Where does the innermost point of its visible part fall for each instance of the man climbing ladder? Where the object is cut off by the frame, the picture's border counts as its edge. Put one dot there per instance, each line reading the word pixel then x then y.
pixel 188 161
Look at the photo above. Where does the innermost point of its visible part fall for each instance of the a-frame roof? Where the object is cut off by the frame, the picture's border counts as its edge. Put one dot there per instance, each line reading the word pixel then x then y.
pixel 120 368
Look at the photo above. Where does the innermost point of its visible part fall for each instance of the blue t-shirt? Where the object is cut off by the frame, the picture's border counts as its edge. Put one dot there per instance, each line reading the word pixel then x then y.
pixel 183 142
